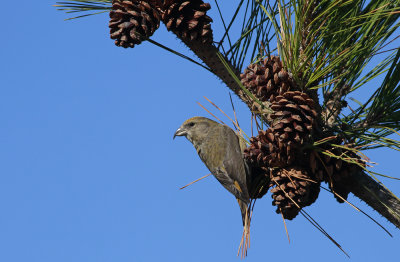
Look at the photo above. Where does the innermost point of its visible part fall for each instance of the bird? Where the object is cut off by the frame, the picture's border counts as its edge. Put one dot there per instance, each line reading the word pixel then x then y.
pixel 219 147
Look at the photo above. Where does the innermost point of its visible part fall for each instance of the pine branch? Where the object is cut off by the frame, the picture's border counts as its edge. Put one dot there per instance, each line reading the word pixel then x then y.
pixel 376 196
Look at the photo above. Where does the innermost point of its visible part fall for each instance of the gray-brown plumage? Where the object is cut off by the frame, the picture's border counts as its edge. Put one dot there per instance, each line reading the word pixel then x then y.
pixel 219 148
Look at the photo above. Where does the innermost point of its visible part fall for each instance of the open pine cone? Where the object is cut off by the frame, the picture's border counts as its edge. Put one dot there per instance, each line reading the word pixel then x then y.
pixel 335 171
pixel 294 119
pixel 267 79
pixel 292 189
pixel 277 153
pixel 188 20
pixel 132 22
pixel 294 116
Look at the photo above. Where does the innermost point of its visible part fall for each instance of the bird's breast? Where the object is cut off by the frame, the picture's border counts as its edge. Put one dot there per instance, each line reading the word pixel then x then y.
pixel 210 155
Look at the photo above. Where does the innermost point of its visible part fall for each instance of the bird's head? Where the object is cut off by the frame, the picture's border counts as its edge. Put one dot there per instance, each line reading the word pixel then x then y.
pixel 195 129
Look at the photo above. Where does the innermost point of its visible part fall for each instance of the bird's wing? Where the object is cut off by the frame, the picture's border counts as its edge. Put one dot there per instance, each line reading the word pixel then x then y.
pixel 232 185
pixel 233 163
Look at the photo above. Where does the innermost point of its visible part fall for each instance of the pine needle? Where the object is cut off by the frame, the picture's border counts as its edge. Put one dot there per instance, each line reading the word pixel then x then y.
pixel 211 113
pixel 395 178
pixel 234 111
pixel 311 220
pixel 252 118
pixel 235 123
pixel 284 223
pixel 177 53
pixel 191 183
pixel 286 194
pixel 316 225
pixel 302 178
pixel 359 210
pixel 222 111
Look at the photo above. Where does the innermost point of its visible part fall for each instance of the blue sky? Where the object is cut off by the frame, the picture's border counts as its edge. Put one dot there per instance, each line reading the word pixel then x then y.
pixel 90 173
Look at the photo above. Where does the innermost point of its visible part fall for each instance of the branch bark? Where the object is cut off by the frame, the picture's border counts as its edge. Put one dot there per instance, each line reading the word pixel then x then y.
pixel 376 196
pixel 334 104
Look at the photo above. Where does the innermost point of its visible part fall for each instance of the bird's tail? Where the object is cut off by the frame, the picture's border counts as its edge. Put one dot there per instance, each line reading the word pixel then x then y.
pixel 246 217
pixel 244 210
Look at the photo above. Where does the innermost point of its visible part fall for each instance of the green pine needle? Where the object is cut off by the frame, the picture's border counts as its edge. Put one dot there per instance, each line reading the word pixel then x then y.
pixel 88 7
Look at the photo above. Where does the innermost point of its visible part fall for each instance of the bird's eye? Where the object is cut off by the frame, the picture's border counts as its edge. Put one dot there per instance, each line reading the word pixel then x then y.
pixel 191 124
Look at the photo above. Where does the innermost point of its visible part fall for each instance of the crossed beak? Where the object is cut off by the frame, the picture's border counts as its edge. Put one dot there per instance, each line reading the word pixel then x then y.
pixel 180 132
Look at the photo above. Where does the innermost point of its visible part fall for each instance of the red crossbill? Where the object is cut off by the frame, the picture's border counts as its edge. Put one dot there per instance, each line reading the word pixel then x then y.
pixel 219 148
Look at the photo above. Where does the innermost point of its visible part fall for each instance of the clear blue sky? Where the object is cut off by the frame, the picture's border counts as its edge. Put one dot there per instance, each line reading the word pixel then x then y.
pixel 89 171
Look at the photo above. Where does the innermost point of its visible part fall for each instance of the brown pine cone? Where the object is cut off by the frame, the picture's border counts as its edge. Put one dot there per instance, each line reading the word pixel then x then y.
pixel 294 117
pixel 188 20
pixel 293 189
pixel 132 22
pixel 335 171
pixel 267 79
pixel 267 150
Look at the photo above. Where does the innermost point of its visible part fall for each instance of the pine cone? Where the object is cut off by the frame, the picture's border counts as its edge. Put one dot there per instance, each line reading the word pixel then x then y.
pixel 267 150
pixel 158 4
pixel 132 22
pixel 292 190
pixel 188 20
pixel 294 117
pixel 267 79
pixel 335 171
